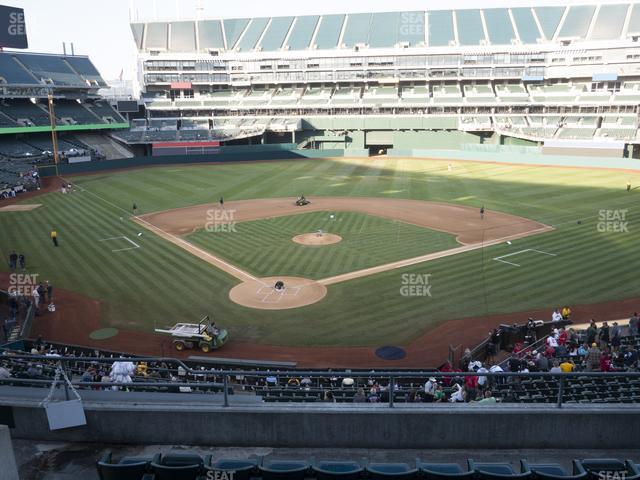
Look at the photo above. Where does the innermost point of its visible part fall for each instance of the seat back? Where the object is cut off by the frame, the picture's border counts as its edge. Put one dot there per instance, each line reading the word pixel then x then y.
pixel 130 471
pixel 183 472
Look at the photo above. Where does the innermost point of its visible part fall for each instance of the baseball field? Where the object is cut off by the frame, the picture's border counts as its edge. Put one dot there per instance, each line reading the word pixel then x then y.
pixel 412 254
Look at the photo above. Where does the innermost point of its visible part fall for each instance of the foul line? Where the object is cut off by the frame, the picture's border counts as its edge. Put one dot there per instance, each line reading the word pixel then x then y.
pixel 499 259
pixel 206 256
pixel 426 258
pixel 122 237
pixel 244 276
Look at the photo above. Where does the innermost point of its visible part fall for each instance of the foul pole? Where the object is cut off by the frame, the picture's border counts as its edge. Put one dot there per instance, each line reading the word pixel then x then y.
pixel 54 135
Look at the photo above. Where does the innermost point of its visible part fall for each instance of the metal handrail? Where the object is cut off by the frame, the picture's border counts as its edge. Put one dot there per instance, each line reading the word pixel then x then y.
pixel 391 376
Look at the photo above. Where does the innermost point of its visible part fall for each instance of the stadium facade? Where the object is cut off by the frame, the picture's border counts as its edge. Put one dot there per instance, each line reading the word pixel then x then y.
pixel 401 80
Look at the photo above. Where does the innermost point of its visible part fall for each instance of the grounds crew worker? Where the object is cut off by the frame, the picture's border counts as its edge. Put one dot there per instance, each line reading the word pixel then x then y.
pixel 54 238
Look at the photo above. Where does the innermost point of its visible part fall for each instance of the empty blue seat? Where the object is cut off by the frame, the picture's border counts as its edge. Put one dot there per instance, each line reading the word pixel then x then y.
pixel 343 470
pixel 497 471
pixel 128 468
pixel 178 466
pixel 242 469
pixel 443 471
pixel 553 471
pixel 391 470
pixel 606 468
pixel 284 470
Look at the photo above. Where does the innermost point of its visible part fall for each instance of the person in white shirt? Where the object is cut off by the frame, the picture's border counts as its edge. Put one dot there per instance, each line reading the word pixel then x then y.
pixel 482 380
pixel 430 388
pixel 556 316
pixel 551 341
pixel 459 395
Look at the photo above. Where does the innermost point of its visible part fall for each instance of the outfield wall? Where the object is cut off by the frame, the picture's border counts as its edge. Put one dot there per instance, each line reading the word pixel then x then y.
pixel 118 419
pixel 516 154
pixel 241 153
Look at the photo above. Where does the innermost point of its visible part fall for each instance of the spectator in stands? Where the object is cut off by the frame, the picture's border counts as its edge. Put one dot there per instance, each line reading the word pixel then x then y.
pixel 605 362
pixel 556 367
pixel 459 394
pixel 13 260
pixel 552 343
pixel 121 372
pixel 593 358
pixel 483 382
pixel 413 397
pixel 604 335
pixel 633 324
pixel 497 380
pixel 488 397
pixel 328 397
pixel 630 359
pixel 360 397
pixel 616 334
pixel 430 389
pixel 33 371
pixel 592 332
pixel 556 316
pixel 471 387
pixel 4 371
pixel 542 361
pixel 572 338
pixel 567 366
pixel 439 396
pixel 88 375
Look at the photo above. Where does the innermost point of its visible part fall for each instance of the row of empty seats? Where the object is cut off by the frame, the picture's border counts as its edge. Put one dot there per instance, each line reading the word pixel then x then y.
pixel 33 69
pixel 25 113
pixel 184 465
pixel 404 95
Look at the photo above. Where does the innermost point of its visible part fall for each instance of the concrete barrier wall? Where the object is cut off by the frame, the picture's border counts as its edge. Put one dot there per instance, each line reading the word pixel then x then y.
pixel 341 425
pixel 8 468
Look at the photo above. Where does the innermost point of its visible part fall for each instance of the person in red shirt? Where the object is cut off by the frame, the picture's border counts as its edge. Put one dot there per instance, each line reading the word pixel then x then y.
pixel 562 337
pixel 471 384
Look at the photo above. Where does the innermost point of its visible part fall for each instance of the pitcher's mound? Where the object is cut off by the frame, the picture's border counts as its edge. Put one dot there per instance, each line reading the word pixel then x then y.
pixel 262 293
pixel 317 238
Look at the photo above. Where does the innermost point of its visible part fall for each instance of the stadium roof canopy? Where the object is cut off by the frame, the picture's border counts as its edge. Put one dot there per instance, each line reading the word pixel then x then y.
pixel 434 28
pixel 39 69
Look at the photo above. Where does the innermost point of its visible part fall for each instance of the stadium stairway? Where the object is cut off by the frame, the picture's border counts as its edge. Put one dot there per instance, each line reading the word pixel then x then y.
pixel 106 145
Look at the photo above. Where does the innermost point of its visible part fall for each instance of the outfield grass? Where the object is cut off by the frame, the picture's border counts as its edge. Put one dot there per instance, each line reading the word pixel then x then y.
pixel 264 247
pixel 160 284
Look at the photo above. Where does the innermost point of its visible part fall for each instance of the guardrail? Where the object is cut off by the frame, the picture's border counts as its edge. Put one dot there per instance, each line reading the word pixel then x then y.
pixel 226 385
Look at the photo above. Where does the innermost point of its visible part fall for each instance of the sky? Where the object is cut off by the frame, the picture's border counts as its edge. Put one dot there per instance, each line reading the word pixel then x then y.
pixel 100 28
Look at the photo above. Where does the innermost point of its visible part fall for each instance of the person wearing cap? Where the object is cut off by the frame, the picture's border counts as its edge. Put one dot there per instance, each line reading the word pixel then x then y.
pixel 430 389
pixel 556 316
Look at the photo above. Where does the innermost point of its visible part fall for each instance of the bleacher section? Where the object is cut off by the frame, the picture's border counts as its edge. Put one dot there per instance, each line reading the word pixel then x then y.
pixel 490 69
